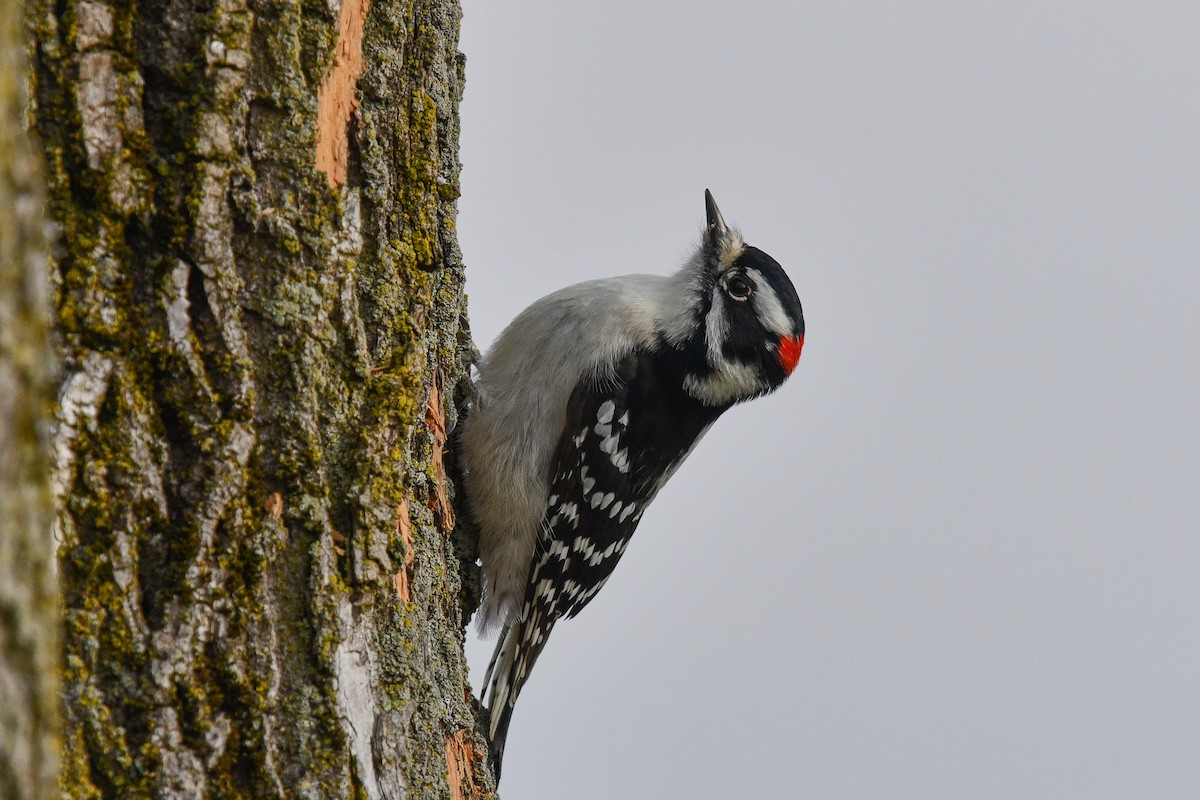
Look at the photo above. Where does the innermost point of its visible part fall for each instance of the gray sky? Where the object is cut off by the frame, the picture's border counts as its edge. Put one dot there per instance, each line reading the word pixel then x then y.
pixel 958 554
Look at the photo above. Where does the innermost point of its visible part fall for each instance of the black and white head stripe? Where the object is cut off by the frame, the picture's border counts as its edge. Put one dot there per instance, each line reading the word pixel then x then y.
pixel 751 308
pixel 774 297
pixel 728 259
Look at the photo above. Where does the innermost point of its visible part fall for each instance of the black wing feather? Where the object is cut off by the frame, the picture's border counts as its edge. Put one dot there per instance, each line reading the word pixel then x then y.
pixel 622 438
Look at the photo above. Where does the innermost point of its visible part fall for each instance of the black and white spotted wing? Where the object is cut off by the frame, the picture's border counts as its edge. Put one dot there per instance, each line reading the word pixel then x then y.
pixel 610 463
pixel 623 437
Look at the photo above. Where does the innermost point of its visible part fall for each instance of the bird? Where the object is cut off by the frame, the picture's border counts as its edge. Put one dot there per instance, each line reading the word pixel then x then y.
pixel 586 404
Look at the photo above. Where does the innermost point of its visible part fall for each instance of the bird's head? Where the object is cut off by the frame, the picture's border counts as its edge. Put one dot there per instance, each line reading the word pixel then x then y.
pixel 751 327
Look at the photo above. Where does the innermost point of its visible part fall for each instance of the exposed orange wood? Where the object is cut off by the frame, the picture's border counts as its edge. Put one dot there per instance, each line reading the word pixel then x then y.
pixel 435 418
pixel 403 578
pixel 460 767
pixel 337 99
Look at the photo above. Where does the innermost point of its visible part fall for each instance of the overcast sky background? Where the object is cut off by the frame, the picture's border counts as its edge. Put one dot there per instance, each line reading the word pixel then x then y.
pixel 958 554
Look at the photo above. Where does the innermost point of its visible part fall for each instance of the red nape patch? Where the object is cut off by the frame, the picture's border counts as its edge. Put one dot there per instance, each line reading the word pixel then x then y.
pixel 789 352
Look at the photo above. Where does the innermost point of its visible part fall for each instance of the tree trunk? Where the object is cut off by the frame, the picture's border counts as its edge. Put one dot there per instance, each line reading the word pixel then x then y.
pixel 29 618
pixel 262 323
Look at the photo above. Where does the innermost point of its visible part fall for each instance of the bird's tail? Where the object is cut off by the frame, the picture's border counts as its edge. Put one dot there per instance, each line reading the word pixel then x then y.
pixel 517 648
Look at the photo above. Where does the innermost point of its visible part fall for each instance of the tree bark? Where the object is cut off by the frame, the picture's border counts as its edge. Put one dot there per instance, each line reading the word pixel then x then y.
pixel 29 615
pixel 262 323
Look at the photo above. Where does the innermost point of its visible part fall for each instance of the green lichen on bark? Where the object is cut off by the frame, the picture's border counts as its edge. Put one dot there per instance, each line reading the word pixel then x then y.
pixel 249 359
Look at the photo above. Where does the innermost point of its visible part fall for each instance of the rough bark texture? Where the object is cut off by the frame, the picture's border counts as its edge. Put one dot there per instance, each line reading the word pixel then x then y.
pixel 28 611
pixel 265 594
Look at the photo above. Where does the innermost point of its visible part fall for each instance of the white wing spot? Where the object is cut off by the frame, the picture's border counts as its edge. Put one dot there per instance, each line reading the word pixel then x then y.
pixel 597 587
pixel 616 509
pixel 585 547
pixel 605 413
pixel 602 500
pixel 629 509
pixel 600 555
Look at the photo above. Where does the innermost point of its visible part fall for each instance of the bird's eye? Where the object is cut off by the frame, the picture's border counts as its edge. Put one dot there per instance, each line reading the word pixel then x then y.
pixel 738 288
